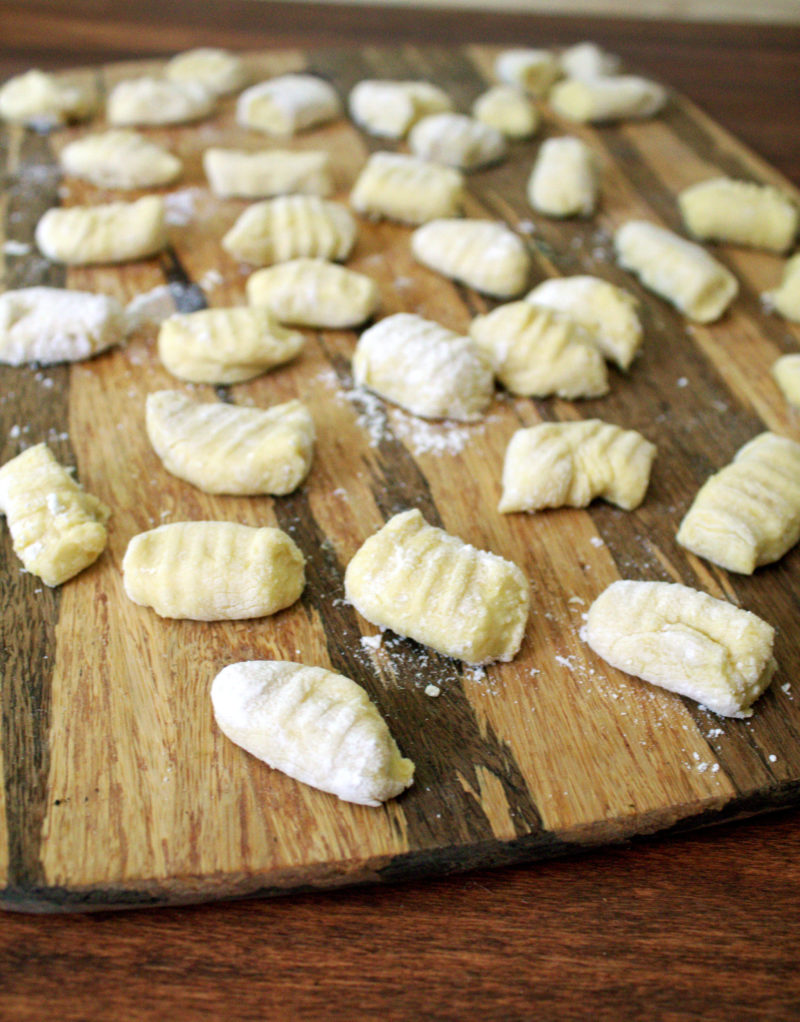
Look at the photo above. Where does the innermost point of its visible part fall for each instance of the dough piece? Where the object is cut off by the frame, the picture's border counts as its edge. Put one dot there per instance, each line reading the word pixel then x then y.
pixel 740 212
pixel 42 100
pixel 479 253
pixel 424 368
pixel 58 529
pixel 564 178
pixel 457 141
pixel 606 312
pixel 245 175
pixel 225 345
pixel 684 641
pixel 224 448
pixel 114 232
pixel 213 571
pixel 588 61
pixel 748 513
pixel 676 269
pixel 404 188
pixel 568 464
pixel 120 158
pixel 786 297
pixel 315 293
pixel 51 324
pixel 217 70
pixel 314 725
pixel 433 587
pixel 290 226
pixel 508 110
pixel 389 109
pixel 536 352
pixel 614 98
pixel 531 70
pixel 288 104
pixel 144 101
pixel 786 371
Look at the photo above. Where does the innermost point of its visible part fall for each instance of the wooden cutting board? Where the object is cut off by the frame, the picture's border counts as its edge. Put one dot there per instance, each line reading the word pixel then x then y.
pixel 118 789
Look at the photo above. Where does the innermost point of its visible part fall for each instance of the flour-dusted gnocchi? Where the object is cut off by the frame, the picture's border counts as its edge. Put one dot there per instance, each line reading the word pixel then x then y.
pixel 220 71
pixel 433 587
pixel 404 188
pixel 740 212
pixel 424 367
pixel 748 513
pixel 785 299
pixel 224 448
pixel 113 232
pixel 480 253
pixel 536 352
pixel 40 99
pixel 508 110
pixel 569 464
pixel 588 60
pixel 152 101
pixel 786 371
pixel 456 141
pixel 564 179
pixel 389 109
pixel 57 528
pixel 120 158
pixel 245 175
pixel 288 104
pixel 213 571
pixel 227 345
pixel 315 293
pixel 610 98
pixel 684 641
pixel 533 70
pixel 676 269
pixel 313 725
pixel 291 226
pixel 51 324
pixel 606 312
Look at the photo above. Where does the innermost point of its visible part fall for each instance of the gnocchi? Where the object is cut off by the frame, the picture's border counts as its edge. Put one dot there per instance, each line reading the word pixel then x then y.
pixel 112 232
pixel 287 104
pixel 219 71
pixel 120 158
pixel 152 101
pixel 786 372
pixel 456 141
pixel 564 179
pixel 290 226
pixel 508 110
pixel 233 173
pixel 480 253
pixel 588 60
pixel 388 109
pixel 607 98
pixel 315 293
pixel 786 297
pixel 404 188
pixel 530 69
pixel 740 212
pixel 40 99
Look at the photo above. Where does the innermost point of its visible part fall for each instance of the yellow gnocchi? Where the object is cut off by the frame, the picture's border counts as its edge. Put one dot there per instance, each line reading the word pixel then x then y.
pixel 151 101
pixel 456 141
pixel 607 98
pixel 234 173
pixel 564 179
pixel 479 253
pixel 113 232
pixel 388 109
pixel 291 226
pixel 40 99
pixel 120 158
pixel 739 212
pixel 315 293
pixel 219 71
pixel 288 104
pixel 404 188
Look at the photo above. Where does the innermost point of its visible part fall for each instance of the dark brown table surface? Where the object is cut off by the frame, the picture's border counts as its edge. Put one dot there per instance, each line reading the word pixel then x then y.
pixel 703 925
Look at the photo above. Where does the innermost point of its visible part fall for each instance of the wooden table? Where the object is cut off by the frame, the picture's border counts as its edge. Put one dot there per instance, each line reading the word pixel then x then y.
pixel 686 926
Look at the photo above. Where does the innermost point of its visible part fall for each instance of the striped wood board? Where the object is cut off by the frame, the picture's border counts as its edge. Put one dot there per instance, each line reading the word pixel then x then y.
pixel 118 789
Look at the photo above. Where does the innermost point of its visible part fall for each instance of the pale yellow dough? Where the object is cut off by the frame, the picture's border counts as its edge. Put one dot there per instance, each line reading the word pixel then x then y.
pixel 564 179
pixel 43 100
pixel 315 293
pixel 389 108
pixel 739 212
pixel 404 188
pixel 530 69
pixel 426 584
pixel 220 71
pixel 786 371
pixel 786 297
pixel 507 109
pixel 587 60
pixel 287 104
pixel 151 101
pixel 120 158
pixel 480 253
pixel 114 232
pixel 607 98
pixel 456 141
pixel 269 172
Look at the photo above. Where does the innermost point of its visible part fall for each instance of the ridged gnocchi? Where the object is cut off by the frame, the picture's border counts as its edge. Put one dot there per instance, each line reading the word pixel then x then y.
pixel 315 293
pixel 219 71
pixel 480 253
pixel 112 232
pixel 456 141
pixel 234 173
pixel 288 104
pixel 564 178
pixel 388 109
pixel 739 212
pixel 152 101
pixel 120 158
pixel 609 98
pixel 291 226
pixel 404 188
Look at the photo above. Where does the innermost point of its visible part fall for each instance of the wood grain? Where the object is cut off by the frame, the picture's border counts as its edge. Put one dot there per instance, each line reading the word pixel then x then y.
pixel 118 787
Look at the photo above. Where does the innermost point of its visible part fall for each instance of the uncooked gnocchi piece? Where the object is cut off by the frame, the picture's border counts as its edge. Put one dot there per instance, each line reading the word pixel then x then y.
pixel 569 464
pixel 120 158
pixel 424 368
pixel 288 104
pixel 150 101
pixel 315 293
pixel 113 232
pixel 433 587
pixel 564 178
pixel 291 226
pixel 224 448
pixel 313 725
pixel 213 571
pixel 786 371
pixel 220 71
pixel 401 187
pixel 532 70
pixel 611 98
pixel 606 312
pixel 748 513
pixel 739 212
pixel 588 60
pixel 676 269
pixel 225 345
pixel 508 110
pixel 57 528
pixel 684 641
pixel 786 297
pixel 51 324
pixel 389 109
pixel 43 100
pixel 456 141
pixel 536 352
pixel 245 175
pixel 479 253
